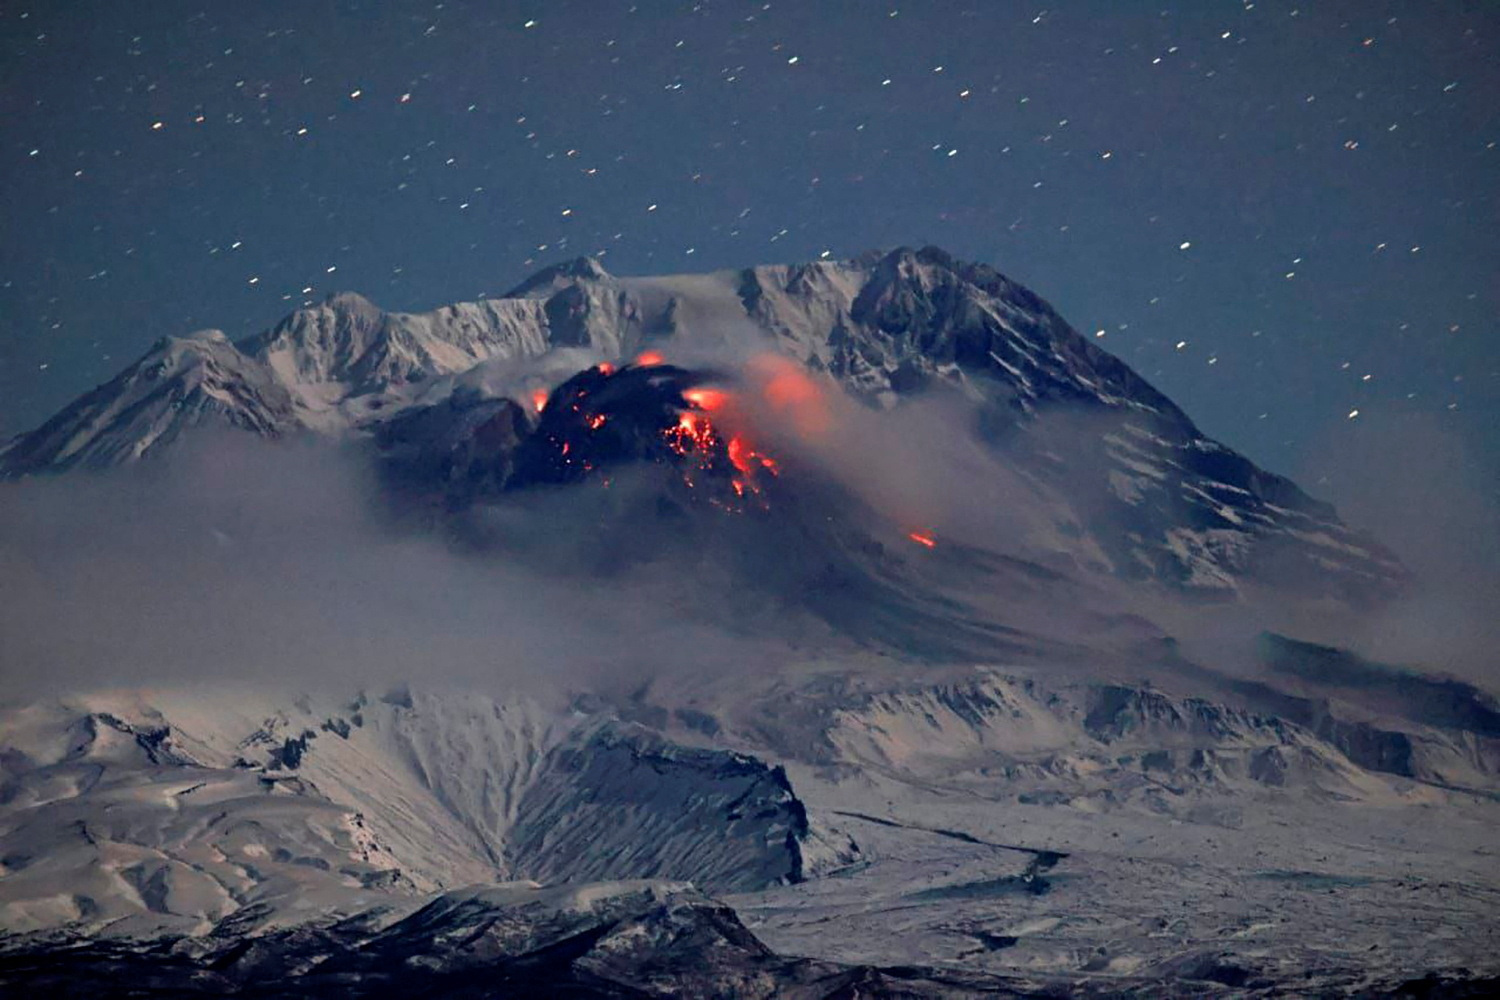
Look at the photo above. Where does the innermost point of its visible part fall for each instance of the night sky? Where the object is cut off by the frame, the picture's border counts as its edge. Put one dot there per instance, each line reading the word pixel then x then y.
pixel 1282 213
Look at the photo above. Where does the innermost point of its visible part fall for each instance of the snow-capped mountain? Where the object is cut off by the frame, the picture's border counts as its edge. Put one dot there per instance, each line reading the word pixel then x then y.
pixel 1104 456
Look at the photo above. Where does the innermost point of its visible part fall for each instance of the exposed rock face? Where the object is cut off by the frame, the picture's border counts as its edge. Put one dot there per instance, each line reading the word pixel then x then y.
pixel 761 830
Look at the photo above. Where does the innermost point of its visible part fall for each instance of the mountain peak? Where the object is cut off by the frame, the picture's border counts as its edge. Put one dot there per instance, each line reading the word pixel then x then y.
pixel 927 255
pixel 209 336
pixel 179 384
pixel 557 276
pixel 932 256
pixel 350 302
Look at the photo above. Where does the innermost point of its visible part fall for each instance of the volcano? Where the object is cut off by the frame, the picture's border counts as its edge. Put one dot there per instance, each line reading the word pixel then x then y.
pixel 1109 459
pixel 687 635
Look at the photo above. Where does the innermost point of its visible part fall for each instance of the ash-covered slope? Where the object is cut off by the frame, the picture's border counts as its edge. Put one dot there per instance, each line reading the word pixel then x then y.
pixel 1105 457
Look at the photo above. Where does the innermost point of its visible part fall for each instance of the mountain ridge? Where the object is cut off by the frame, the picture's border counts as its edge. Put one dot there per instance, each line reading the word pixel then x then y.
pixel 1162 500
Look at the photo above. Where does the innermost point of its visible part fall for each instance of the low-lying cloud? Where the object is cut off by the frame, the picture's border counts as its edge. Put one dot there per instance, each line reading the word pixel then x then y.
pixel 243 560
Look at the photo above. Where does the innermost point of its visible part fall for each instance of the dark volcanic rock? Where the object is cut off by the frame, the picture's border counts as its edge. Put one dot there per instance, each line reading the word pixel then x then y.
pixel 616 941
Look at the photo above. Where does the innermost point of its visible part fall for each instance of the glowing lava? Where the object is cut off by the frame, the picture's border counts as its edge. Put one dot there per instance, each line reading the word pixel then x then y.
pixel 747 459
pixel 692 433
pixel 697 424
pixel 737 455
pixel 704 441
pixel 922 537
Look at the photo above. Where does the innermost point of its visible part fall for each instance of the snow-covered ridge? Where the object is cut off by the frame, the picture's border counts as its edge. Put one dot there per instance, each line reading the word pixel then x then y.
pixel 882 323
pixel 1065 737
pixel 179 384
pixel 176 812
pixel 1157 500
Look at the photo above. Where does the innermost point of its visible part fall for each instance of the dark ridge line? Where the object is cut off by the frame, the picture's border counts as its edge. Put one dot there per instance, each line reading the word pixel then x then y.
pixel 1044 858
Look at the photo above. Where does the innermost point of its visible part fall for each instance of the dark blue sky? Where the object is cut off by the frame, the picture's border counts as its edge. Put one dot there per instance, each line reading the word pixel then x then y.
pixel 1279 212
